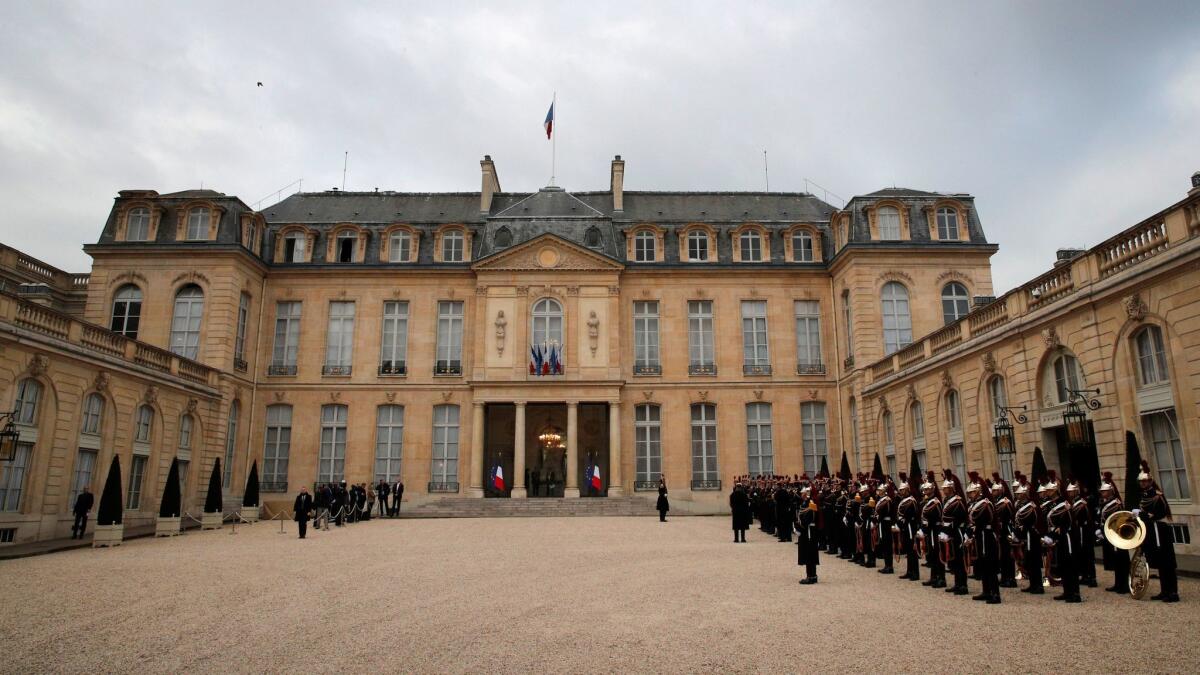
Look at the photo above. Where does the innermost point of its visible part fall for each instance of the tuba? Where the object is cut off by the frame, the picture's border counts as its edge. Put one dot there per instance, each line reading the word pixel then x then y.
pixel 1126 532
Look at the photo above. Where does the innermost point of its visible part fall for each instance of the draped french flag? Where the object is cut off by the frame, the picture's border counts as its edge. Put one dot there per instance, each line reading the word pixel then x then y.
pixel 535 359
pixel 596 477
pixel 498 478
pixel 549 123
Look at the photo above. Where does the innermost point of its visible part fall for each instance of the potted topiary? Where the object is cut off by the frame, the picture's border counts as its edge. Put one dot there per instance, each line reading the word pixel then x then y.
pixel 109 527
pixel 250 499
pixel 168 509
pixel 212 518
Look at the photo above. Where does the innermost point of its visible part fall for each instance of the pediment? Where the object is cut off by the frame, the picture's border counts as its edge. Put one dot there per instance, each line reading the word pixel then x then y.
pixel 548 253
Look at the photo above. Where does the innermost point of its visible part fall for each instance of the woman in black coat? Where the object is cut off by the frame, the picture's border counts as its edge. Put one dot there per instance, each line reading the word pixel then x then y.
pixel 663 505
pixel 739 507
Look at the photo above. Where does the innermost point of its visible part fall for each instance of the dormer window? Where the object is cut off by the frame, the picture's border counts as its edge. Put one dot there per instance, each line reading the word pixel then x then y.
pixel 697 244
pixel 889 223
pixel 452 246
pixel 137 224
pixel 751 246
pixel 400 246
pixel 293 247
pixel 503 238
pixel 802 246
pixel 643 246
pixel 344 247
pixel 947 224
pixel 197 224
pixel 591 238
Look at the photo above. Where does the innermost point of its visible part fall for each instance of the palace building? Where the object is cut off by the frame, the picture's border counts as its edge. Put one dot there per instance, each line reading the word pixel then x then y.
pixel 694 336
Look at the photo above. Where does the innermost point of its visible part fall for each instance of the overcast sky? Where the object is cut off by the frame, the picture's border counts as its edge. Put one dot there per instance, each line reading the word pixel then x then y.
pixel 1067 121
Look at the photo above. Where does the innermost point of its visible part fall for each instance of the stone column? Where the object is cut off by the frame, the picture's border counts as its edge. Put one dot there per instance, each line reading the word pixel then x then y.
pixel 476 482
pixel 572 489
pixel 518 480
pixel 615 489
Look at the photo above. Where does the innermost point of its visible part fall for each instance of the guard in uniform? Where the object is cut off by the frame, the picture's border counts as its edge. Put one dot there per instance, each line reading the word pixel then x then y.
pixel 885 520
pixel 1081 514
pixel 1160 541
pixel 866 517
pixel 1116 560
pixel 829 533
pixel 908 525
pixel 783 515
pixel 950 536
pixel 1059 534
pixel 808 535
pixel 931 522
pixel 982 515
pixel 1003 505
pixel 853 527
pixel 1028 529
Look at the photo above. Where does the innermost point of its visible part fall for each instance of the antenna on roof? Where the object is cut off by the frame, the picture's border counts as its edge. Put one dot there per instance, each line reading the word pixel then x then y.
pixel 345 163
pixel 766 176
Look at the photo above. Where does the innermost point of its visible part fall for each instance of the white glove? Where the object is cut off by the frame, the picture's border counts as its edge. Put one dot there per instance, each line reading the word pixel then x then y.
pixel 845 522
pixel 1137 512
pixel 1099 534
pixel 1047 541
pixel 943 537
pixel 920 535
pixel 895 528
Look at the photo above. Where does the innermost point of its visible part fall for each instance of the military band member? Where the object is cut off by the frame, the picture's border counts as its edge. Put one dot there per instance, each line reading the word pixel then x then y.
pixel 981 516
pixel 866 517
pixel 1003 505
pixel 845 532
pixel 1115 559
pixel 808 535
pixel 1160 541
pixel 853 527
pixel 1059 534
pixel 950 535
pixel 931 520
pixel 908 524
pixel 783 512
pixel 830 533
pixel 1029 528
pixel 1081 514
pixel 885 519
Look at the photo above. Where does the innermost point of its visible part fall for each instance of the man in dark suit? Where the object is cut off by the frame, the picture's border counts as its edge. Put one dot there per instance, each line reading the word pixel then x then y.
pixel 397 495
pixel 302 510
pixel 381 494
pixel 83 506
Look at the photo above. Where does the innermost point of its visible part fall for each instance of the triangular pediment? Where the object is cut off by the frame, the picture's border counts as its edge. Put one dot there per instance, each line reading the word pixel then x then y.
pixel 548 253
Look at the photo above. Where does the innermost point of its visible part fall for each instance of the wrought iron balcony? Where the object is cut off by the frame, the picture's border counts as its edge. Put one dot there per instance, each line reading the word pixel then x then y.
pixel 240 365
pixel 706 485
pixel 336 371
pixel 435 487
pixel 707 369
pixel 645 486
pixel 393 368
pixel 447 368
pixel 848 362
pixel 655 369
pixel 755 370
pixel 810 368
pixel 276 369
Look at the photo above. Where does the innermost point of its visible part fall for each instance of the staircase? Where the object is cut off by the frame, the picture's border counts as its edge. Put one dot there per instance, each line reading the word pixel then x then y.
pixel 470 507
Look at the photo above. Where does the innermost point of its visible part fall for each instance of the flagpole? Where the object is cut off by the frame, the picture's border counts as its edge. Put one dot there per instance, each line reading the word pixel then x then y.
pixel 554 138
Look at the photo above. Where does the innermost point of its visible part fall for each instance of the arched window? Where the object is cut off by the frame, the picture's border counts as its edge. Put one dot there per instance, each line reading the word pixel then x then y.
pixel 854 424
pixel 127 311
pixel 897 321
pixel 452 246
pixel 591 238
pixel 294 244
pixel 185 323
pixel 750 243
pixel 917 424
pixel 889 223
pixel 760 455
pixel 1067 376
pixel 697 243
pixel 1151 356
pixel 644 243
pixel 947 224
pixel 389 442
pixel 704 442
pixel 186 425
pixel 889 442
pixel 197 224
pixel 331 457
pixel 144 424
pixel 235 411
pixel 137 224
pixel 399 246
pixel 802 246
pixel 997 395
pixel 93 414
pixel 503 238
pixel 647 442
pixel 953 412
pixel 29 396
pixel 547 323
pixel 955 303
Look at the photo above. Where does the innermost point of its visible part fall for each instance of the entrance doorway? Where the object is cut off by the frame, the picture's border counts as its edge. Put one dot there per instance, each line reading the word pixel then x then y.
pixel 546 440
pixel 1079 462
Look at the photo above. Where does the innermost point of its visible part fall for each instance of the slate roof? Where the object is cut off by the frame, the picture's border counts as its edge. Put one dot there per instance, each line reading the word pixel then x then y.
pixel 915 201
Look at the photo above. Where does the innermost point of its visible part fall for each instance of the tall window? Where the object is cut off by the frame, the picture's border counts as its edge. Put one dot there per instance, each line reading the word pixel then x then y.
pixel 889 443
pixel 889 223
pixel 1066 376
pixel 344 246
pixel 144 424
pixel 294 244
pixel 127 311
pixel 955 302
pixel 277 447
pixel 854 425
pixel 645 336
pixel 813 435
pixel 185 323
pixel 754 334
pixel 808 333
pixel 85 466
pixel 802 246
pixel 137 473
pixel 1163 430
pixel 750 241
pixel 389 442
pixel 186 424
pixel 243 317
pixel 399 246
pixel 897 321
pixel 452 246
pixel 947 224
pixel 331 459
pixel 547 323
pixel 953 412
pixel 917 424
pixel 449 338
pixel 1151 356
pixel 643 246
pixel 849 324
pixel 697 246
pixel 235 411
pixel 997 395
pixel 958 457
pixel 760 456
pixel 137 224
pixel 339 342
pixel 647 441
pixel 12 478
pixel 704 442
pixel 445 444
pixel 183 472
pixel 393 352
pixel 287 335
pixel 197 224
pixel 700 337
pixel 93 412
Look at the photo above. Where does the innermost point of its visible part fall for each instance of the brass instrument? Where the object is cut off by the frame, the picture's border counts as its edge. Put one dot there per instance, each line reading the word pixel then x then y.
pixel 1126 532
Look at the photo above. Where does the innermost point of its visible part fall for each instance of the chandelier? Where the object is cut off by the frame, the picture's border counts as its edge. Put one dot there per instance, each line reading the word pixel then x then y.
pixel 550 437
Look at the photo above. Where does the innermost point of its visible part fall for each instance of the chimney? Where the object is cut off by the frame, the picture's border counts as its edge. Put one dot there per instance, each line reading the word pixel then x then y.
pixel 1195 184
pixel 491 184
pixel 617 184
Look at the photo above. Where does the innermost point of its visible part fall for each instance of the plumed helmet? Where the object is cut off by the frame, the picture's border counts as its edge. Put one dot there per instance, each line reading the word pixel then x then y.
pixel 1144 474
pixel 948 479
pixel 930 481
pixel 997 482
pixel 1051 482
pixel 973 482
pixel 1107 483
pixel 903 484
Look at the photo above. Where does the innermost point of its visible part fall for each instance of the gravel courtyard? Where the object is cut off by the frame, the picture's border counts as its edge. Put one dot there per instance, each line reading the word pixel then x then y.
pixel 522 594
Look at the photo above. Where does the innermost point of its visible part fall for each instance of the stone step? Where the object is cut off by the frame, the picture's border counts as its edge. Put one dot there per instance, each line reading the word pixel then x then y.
pixel 467 507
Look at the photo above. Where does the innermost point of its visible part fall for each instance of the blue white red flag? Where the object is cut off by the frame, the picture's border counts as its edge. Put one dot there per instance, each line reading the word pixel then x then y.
pixel 596 477
pixel 498 478
pixel 549 123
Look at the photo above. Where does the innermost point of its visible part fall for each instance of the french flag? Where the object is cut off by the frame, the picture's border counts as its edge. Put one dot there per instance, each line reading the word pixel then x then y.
pixel 596 477
pixel 549 123
pixel 498 478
